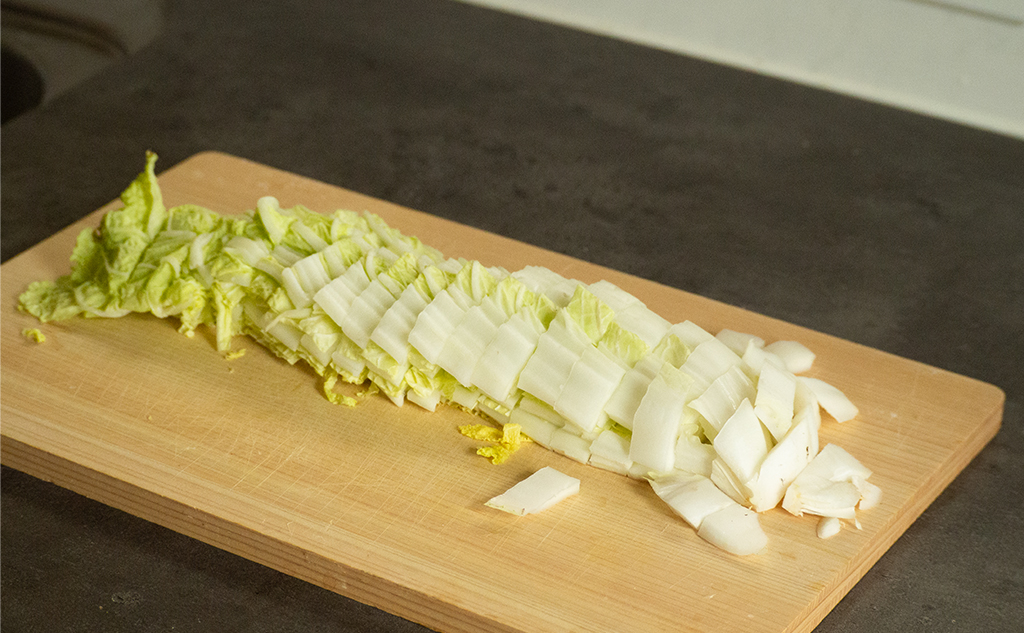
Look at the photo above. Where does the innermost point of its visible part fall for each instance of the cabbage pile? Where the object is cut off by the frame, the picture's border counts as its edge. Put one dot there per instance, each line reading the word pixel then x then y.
pixel 722 426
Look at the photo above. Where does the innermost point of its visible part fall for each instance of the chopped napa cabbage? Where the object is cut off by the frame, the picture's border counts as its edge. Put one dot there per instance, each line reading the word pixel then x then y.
pixel 502 444
pixel 643 322
pixel 274 222
pixel 571 445
pixel 656 423
pixel 795 355
pixel 592 315
pixel 832 485
pixel 469 339
pixel 741 443
pixel 832 400
pixel 719 401
pixel 738 341
pixel 693 497
pixel 709 360
pixel 533 426
pixel 734 529
pixel 476 281
pixel 610 451
pixel 693 455
pixel 616 298
pixel 558 349
pixel 690 333
pixel 543 281
pixel 337 398
pixel 591 382
pixel 622 405
pixel 620 343
pixel 501 363
pixel 103 261
pixel 716 422
pixel 536 493
pixel 672 350
pixel 776 390
pixel 34 334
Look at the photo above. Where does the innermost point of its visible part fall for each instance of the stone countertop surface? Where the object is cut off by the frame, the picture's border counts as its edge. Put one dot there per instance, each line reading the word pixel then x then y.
pixel 893 230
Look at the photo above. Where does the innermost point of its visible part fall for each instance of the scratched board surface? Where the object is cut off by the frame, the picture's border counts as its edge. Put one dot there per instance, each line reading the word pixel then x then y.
pixel 385 504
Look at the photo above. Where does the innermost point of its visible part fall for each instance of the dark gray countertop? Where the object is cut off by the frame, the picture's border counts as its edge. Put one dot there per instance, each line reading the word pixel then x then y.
pixel 890 229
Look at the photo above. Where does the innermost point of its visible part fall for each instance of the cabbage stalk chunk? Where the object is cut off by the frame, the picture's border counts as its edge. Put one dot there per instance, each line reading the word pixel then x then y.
pixel 723 426
pixel 536 493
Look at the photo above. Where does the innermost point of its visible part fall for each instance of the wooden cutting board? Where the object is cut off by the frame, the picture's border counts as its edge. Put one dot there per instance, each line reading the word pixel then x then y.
pixel 385 504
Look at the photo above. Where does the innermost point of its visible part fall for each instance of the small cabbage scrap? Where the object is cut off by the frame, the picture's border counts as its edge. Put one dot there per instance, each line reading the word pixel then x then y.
pixel 504 442
pixel 333 396
pixel 833 485
pixel 538 492
pixel 482 432
pixel 34 334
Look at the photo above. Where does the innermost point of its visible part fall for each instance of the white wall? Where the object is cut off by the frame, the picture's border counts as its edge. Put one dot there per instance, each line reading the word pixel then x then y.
pixel 961 60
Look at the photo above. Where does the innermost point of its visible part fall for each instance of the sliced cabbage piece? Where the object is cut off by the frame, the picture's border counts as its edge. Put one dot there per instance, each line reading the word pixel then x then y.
pixel 738 341
pixel 610 451
pixel 592 380
pixel 657 419
pixel 592 315
pixel 533 426
pixel 694 456
pixel 734 529
pixel 624 401
pixel 831 399
pixel 616 298
pixel 776 390
pixel 499 366
pixel 303 278
pixel 436 323
pixel 783 463
pixel 548 283
pixel 717 518
pixel 643 322
pixel 829 527
pixel 831 485
pixel 690 333
pixel 693 497
pixel 336 298
pixel 395 326
pixel 536 493
pixel 709 360
pixel 565 442
pixel 719 401
pixel 627 347
pixel 392 332
pixel 741 443
pixel 558 349
pixel 369 307
pixel 796 357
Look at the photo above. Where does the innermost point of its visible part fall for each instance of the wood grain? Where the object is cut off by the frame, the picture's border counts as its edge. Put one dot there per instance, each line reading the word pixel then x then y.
pixel 385 504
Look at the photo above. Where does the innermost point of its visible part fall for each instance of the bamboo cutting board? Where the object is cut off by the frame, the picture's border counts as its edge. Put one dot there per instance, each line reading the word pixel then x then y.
pixel 385 504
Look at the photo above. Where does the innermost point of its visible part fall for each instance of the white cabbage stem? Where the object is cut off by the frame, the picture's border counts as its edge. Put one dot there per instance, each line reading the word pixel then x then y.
pixel 536 493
